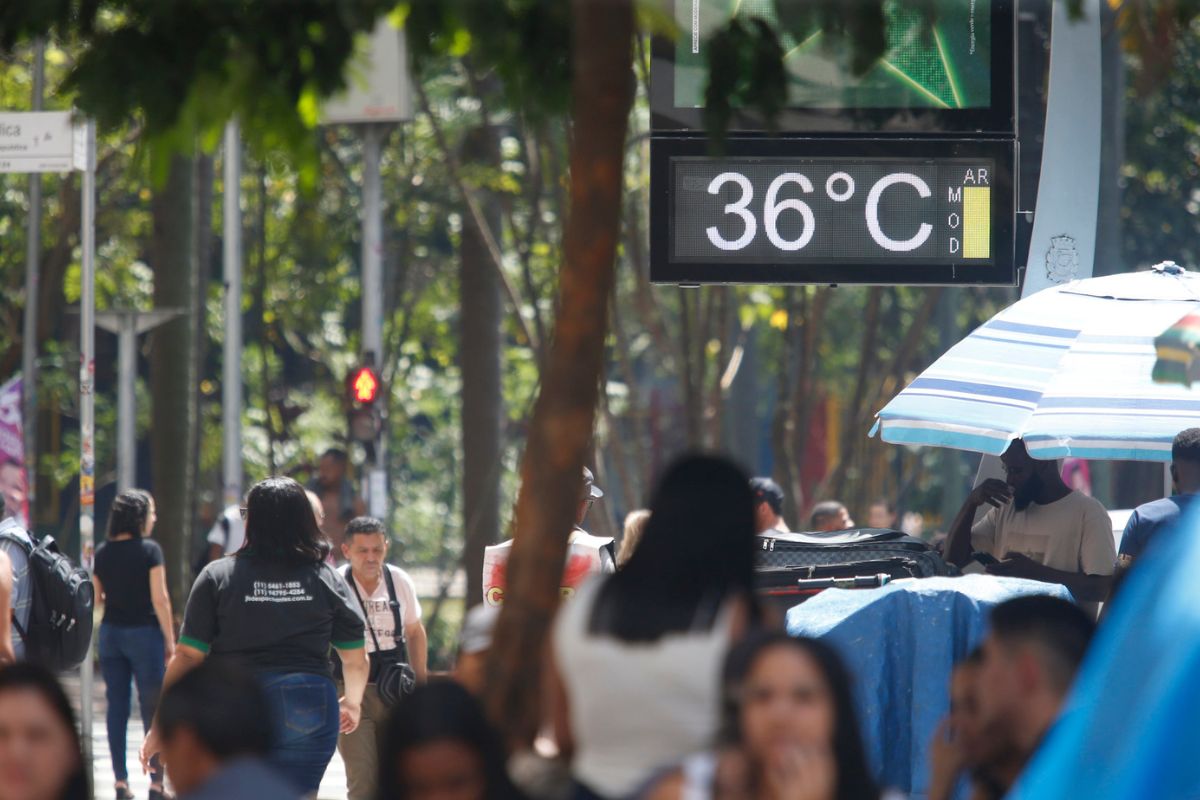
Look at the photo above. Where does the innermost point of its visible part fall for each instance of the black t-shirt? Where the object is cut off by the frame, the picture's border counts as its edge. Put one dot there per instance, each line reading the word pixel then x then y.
pixel 271 616
pixel 124 571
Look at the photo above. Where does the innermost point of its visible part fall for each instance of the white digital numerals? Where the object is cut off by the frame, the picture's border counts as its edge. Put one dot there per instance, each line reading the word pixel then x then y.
pixel 740 208
pixel 772 209
pixel 839 187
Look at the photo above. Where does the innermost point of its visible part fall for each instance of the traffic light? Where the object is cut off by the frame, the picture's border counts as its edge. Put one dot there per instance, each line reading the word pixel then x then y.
pixel 363 414
pixel 363 385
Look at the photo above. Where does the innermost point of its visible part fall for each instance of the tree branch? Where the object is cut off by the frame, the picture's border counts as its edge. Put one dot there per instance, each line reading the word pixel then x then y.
pixel 485 230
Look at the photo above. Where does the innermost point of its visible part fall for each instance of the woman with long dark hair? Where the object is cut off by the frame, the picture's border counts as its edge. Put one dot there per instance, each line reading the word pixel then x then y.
pixel 137 634
pixel 275 608
pixel 438 743
pixel 789 730
pixel 40 755
pixel 638 654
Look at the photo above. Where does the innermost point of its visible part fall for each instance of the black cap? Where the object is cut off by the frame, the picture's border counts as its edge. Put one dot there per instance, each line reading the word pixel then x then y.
pixel 767 491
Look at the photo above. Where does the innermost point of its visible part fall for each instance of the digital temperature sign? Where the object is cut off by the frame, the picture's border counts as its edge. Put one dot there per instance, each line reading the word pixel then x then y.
pixel 897 211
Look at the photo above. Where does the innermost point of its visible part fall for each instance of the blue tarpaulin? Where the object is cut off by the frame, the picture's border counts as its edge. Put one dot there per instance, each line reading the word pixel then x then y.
pixel 901 643
pixel 1132 726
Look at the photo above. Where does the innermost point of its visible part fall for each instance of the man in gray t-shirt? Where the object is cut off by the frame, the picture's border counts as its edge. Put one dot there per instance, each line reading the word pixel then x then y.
pixel 22 591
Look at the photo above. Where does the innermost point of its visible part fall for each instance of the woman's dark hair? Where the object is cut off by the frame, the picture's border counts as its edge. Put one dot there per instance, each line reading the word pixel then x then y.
pixel 854 781
pixel 129 512
pixel 697 551
pixel 281 525
pixel 26 677
pixel 440 711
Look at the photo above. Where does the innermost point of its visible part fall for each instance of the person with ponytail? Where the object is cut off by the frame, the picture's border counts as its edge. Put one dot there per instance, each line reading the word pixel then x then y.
pixel 137 634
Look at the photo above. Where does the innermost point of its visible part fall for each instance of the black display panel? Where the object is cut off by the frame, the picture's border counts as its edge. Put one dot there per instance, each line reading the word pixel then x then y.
pixel 954 75
pixel 894 211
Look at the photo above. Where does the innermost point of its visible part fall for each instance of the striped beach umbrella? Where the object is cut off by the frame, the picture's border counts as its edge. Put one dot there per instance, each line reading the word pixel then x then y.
pixel 1070 370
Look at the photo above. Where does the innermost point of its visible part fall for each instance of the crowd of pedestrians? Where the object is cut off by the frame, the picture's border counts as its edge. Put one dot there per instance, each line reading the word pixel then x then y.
pixel 664 678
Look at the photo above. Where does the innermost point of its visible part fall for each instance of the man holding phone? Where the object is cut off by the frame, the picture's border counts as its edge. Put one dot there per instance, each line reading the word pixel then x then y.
pixel 1037 528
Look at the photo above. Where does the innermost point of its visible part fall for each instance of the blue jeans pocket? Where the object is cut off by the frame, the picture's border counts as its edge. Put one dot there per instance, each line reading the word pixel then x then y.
pixel 304 709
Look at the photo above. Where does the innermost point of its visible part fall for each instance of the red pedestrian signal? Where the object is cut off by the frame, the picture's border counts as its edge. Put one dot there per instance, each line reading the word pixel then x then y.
pixel 364 386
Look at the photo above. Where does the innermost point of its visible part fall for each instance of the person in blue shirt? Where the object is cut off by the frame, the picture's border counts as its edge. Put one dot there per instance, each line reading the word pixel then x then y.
pixel 1149 519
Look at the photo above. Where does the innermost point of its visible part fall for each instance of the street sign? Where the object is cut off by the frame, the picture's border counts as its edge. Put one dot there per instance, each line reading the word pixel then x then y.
pixel 378 84
pixel 877 211
pixel 37 141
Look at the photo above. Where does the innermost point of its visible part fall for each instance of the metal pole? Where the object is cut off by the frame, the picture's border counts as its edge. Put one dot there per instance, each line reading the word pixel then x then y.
pixel 231 382
pixel 29 333
pixel 126 408
pixel 87 374
pixel 372 245
pixel 372 290
pixel 1064 222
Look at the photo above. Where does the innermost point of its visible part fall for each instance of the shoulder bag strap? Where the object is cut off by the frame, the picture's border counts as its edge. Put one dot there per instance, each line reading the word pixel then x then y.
pixel 366 614
pixel 7 534
pixel 401 639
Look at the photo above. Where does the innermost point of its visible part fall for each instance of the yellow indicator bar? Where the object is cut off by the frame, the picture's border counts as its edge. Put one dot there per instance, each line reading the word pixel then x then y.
pixel 977 222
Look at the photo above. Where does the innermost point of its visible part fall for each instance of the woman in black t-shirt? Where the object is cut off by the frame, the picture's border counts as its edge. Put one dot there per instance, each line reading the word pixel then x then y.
pixel 137 635
pixel 275 608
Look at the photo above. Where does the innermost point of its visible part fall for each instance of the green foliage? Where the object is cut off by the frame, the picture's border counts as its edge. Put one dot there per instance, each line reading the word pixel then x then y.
pixel 1160 211
pixel 745 63
pixel 186 66
pixel 526 42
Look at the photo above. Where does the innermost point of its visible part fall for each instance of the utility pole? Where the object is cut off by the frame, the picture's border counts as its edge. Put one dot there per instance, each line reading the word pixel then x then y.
pixel 370 105
pixel 87 402
pixel 231 382
pixel 372 300
pixel 29 344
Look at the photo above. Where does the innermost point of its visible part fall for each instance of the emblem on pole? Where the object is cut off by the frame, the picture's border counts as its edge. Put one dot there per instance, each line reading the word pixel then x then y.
pixel 1062 260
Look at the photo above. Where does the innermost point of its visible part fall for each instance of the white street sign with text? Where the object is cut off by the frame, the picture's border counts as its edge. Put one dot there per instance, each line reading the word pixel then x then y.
pixel 36 141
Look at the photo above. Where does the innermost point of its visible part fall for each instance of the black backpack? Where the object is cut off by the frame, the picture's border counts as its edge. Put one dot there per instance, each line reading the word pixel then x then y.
pixel 60 611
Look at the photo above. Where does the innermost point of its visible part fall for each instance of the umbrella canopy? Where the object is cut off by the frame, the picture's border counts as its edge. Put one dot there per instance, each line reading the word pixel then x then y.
pixel 1069 370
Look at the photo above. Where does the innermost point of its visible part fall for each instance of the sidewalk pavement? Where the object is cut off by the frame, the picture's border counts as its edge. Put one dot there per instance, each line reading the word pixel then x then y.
pixel 333 787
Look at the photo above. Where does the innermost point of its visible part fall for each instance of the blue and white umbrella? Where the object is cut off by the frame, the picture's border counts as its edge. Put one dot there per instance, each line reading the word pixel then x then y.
pixel 1068 370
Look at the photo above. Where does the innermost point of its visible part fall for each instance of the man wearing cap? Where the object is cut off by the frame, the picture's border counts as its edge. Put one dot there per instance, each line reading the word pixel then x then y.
pixel 587 555
pixel 768 506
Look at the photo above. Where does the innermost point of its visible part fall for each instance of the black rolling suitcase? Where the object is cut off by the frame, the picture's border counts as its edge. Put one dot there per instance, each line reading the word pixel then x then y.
pixel 790 567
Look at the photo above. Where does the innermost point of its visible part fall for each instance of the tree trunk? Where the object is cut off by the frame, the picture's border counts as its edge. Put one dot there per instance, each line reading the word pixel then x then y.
pixel 172 384
pixel 481 312
pixel 561 429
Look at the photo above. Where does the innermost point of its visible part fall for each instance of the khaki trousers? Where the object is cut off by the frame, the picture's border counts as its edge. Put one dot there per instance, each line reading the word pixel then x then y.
pixel 360 750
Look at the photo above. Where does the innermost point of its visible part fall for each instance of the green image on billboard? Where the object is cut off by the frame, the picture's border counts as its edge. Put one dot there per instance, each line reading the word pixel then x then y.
pixel 946 66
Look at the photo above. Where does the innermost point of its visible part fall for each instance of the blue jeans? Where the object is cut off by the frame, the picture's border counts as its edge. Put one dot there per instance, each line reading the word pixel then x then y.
pixel 130 655
pixel 304 725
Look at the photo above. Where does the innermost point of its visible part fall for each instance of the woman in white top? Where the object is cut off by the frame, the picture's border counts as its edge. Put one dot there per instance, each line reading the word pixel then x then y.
pixel 638 654
pixel 789 731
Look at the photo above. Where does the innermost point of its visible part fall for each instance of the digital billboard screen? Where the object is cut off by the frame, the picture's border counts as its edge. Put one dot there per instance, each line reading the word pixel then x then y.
pixel 947 66
pixel 833 211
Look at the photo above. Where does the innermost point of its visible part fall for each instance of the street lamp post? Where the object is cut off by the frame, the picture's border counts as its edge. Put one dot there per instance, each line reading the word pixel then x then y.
pixel 231 381
pixel 127 324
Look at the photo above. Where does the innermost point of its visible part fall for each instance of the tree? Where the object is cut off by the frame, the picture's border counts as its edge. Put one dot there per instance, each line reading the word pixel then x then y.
pixel 482 395
pixel 173 385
